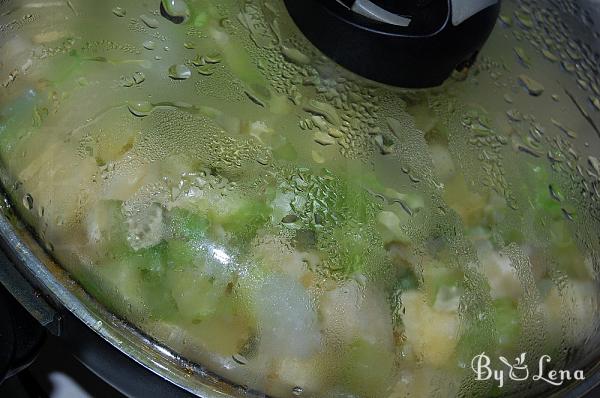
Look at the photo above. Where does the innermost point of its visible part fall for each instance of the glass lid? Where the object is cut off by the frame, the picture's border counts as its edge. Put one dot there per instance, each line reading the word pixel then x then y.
pixel 211 178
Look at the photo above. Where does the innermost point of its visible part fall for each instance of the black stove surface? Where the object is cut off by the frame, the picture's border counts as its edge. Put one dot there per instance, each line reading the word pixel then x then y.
pixel 56 374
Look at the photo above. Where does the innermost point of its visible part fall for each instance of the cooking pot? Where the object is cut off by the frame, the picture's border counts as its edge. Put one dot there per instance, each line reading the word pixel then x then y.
pixel 200 202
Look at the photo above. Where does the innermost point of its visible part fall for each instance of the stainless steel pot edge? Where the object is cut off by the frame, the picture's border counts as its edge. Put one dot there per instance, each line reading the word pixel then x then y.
pixel 583 388
pixel 153 356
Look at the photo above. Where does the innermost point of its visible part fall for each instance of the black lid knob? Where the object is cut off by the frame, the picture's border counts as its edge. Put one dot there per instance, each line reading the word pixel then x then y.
pixel 411 43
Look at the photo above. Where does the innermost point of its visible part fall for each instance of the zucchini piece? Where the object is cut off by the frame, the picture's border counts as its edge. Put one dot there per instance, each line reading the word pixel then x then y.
pixel 196 295
pixel 352 251
pixel 157 298
pixel 507 324
pixel 432 334
pixel 437 278
pixel 107 229
pixel 244 222
pixel 181 255
pixel 188 226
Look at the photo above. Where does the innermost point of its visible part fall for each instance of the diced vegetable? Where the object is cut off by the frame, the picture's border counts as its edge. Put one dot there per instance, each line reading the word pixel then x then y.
pixel 307 373
pixel 442 285
pixel 507 324
pixel 367 369
pixel 244 222
pixel 351 312
pixel 273 255
pixel 352 251
pixel 468 204
pixel 187 225
pixel 500 273
pixel 389 226
pixel 432 334
pixel 286 319
pixel 196 294
pixel 107 229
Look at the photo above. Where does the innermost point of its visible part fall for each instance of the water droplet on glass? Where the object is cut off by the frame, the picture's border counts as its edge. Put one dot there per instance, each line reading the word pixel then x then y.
pixel 549 55
pixel 294 55
pixel 240 359
pixel 149 21
pixel 49 246
pixel 289 219
pixel 126 81
pixel 569 214
pixel 523 57
pixel 176 11
pixel 533 87
pixel 323 139
pixel 514 115
pixel 28 201
pixel 596 102
pixel 556 195
pixel 140 108
pixel 594 163
pixel 179 72
pixel 138 77
pixel 149 45
pixel 506 20
pixel 524 19
pixel 119 11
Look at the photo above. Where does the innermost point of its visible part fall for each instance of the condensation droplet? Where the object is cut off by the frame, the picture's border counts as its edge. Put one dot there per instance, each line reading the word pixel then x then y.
pixel 176 11
pixel 149 45
pixel 119 11
pixel 240 359
pixel 28 201
pixel 149 21
pixel 532 86
pixel 179 72
pixel 138 77
pixel 140 108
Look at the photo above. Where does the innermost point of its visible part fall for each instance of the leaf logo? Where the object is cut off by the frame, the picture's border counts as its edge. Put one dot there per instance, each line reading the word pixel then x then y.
pixel 518 371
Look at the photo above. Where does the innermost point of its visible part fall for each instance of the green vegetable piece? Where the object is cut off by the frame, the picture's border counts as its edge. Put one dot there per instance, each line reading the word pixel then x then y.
pixel 407 280
pixel 112 226
pixel 244 222
pixel 368 369
pixel 187 225
pixel 437 277
pixel 115 285
pixel 507 323
pixel 353 250
pixel 285 151
pixel 151 259
pixel 152 265
pixel 180 255
pixel 15 120
pixel 196 295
